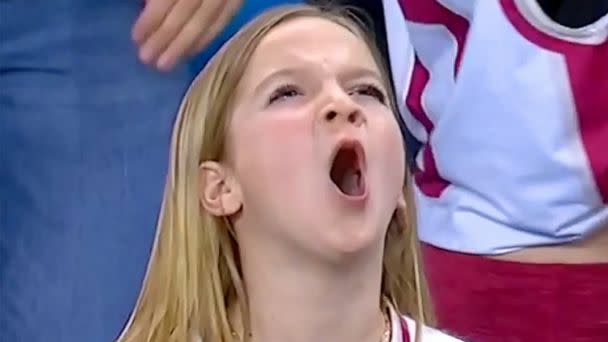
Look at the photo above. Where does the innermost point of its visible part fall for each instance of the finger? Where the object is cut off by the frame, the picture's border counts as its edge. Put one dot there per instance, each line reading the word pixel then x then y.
pixel 188 35
pixel 150 19
pixel 178 16
pixel 227 13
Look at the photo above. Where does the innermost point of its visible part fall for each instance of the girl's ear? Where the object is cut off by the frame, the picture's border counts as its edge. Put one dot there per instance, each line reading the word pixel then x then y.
pixel 219 193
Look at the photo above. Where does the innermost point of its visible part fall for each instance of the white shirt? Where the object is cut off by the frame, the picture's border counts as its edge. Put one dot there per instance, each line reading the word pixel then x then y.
pixel 428 334
pixel 511 109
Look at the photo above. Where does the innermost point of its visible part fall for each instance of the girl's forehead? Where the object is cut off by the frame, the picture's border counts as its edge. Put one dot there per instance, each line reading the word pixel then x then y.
pixel 308 43
pixel 309 37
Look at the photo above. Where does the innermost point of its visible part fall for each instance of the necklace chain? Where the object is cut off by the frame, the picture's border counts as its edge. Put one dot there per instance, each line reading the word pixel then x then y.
pixel 386 333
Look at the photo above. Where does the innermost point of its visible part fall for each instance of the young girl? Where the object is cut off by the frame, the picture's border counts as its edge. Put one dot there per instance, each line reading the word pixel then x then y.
pixel 284 217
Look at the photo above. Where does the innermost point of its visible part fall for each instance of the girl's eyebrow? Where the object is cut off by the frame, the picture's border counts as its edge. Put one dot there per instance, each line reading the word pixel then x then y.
pixel 349 73
pixel 278 73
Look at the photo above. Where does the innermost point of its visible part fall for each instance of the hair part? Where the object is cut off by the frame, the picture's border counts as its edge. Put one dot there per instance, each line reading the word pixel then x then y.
pixel 193 276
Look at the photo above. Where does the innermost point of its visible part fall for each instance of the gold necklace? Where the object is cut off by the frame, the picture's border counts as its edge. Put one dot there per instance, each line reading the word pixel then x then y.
pixel 386 334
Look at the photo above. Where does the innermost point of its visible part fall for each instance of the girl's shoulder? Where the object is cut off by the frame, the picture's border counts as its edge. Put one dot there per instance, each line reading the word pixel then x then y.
pixel 428 334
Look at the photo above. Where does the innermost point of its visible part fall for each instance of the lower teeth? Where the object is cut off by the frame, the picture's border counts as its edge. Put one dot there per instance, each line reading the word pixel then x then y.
pixel 350 184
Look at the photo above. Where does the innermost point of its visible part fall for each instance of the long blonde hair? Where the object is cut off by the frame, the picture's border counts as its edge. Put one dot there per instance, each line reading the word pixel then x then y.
pixel 193 277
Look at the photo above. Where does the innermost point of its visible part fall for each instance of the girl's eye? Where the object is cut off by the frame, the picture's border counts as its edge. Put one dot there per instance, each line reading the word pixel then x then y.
pixel 370 90
pixel 284 92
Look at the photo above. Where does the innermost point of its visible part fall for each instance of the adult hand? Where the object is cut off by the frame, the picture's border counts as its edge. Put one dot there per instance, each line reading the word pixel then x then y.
pixel 169 30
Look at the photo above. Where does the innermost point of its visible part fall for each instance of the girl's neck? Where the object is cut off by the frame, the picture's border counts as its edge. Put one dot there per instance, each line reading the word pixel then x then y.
pixel 299 304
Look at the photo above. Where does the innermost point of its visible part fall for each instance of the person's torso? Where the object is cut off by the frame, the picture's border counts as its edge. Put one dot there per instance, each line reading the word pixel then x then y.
pixel 511 110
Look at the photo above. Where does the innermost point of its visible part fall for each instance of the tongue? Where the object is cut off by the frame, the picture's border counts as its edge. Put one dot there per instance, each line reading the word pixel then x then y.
pixel 350 182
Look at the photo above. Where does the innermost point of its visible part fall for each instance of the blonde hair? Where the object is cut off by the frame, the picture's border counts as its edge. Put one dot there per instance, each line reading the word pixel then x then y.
pixel 194 276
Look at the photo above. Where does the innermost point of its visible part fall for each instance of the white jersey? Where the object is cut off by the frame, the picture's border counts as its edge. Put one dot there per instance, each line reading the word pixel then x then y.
pixel 428 334
pixel 511 110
